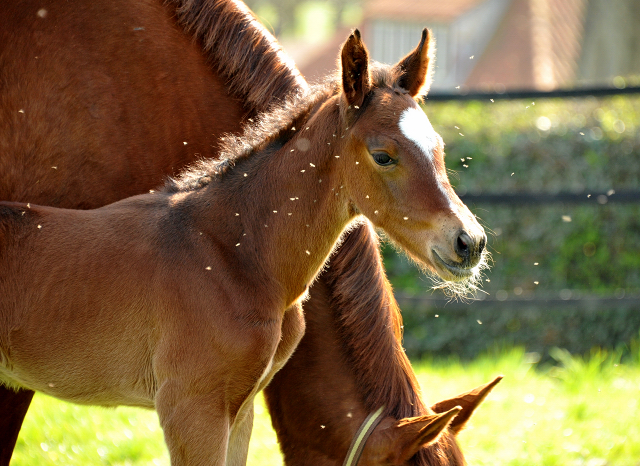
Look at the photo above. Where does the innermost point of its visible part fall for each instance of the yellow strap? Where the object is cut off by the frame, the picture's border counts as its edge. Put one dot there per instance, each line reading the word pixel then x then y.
pixel 358 442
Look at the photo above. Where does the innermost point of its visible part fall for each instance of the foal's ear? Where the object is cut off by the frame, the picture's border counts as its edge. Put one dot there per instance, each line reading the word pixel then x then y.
pixel 416 69
pixel 468 401
pixel 356 81
pixel 414 433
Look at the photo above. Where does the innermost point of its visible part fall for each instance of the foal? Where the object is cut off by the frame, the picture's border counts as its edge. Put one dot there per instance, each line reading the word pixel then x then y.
pixel 176 300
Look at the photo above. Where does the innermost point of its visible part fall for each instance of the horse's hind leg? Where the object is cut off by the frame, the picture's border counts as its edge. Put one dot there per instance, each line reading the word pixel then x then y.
pixel 13 409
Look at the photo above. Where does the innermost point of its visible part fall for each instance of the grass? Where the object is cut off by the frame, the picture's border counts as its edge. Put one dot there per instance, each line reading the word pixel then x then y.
pixel 579 411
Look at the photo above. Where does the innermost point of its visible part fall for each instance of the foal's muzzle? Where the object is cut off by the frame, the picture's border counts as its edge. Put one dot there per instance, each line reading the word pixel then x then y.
pixel 469 249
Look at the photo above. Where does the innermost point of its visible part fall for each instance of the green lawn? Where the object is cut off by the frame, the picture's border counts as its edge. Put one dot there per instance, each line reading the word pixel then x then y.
pixel 579 412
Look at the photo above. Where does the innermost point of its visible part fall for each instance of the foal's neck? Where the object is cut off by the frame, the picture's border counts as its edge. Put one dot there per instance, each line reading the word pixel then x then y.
pixel 289 203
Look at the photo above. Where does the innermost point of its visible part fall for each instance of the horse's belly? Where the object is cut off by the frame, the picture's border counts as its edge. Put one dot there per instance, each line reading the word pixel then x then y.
pixel 78 372
pixel 79 391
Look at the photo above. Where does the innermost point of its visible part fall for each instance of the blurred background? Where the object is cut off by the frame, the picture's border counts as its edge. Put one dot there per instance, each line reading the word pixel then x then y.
pixel 488 45
pixel 553 172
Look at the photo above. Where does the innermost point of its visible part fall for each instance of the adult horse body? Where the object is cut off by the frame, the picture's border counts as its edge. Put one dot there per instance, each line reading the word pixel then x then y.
pixel 104 100
pixel 97 101
pixel 199 285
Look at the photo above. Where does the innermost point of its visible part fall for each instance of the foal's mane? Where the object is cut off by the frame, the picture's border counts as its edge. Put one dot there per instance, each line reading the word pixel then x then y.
pixel 276 126
pixel 255 66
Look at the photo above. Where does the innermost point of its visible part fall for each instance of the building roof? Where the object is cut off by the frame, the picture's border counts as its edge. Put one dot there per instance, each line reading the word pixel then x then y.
pixel 418 10
pixel 536 46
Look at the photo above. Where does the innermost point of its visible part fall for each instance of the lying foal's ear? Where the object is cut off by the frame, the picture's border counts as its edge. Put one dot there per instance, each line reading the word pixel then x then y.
pixel 468 401
pixel 415 69
pixel 356 81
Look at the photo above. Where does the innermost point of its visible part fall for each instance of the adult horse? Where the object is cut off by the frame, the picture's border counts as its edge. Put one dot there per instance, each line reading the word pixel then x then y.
pixel 97 103
pixel 188 299
pixel 104 100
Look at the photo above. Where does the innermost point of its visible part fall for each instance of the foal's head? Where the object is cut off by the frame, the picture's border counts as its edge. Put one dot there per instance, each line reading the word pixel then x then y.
pixel 399 179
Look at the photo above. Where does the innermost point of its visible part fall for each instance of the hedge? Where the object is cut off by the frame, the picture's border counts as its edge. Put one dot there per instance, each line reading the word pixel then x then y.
pixel 559 145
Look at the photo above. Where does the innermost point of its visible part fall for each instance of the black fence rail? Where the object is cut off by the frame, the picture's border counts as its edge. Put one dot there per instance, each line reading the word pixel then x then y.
pixel 536 198
pixel 565 300
pixel 521 94
pixel 435 326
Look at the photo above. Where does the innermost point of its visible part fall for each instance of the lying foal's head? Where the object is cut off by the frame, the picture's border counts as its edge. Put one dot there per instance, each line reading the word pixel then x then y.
pixel 405 156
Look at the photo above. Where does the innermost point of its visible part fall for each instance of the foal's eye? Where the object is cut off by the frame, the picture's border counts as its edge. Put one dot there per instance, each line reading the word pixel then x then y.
pixel 383 159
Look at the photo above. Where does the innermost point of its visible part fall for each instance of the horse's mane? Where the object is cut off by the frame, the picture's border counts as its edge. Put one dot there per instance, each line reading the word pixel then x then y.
pixel 364 329
pixel 257 69
pixel 278 125
pixel 370 329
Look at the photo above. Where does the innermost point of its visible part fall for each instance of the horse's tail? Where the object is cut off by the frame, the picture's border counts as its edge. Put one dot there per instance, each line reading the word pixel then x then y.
pixel 257 69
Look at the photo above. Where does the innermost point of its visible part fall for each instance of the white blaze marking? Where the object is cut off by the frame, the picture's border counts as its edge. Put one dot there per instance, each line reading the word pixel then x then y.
pixel 416 127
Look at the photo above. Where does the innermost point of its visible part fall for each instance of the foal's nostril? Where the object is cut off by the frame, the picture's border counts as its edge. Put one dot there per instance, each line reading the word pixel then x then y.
pixel 482 244
pixel 464 245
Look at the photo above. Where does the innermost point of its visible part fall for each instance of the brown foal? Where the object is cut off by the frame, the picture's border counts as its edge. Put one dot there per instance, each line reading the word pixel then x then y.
pixel 188 299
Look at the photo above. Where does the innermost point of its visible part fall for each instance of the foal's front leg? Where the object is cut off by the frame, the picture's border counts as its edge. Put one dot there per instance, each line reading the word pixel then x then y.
pixel 241 435
pixel 292 330
pixel 196 426
pixel 205 375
